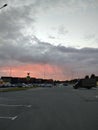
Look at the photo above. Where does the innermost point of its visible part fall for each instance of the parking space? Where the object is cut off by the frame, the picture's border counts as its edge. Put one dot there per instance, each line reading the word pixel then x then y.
pixel 87 95
pixel 11 111
pixel 56 108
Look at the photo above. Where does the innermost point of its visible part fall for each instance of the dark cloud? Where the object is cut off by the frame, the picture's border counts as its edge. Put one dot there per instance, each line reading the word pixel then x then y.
pixel 15 20
pixel 17 47
pixel 46 53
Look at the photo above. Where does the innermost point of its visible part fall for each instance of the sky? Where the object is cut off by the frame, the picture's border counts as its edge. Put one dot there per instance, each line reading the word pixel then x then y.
pixel 53 39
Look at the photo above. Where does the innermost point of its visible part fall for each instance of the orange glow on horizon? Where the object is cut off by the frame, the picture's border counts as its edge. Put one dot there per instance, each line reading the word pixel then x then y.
pixel 36 70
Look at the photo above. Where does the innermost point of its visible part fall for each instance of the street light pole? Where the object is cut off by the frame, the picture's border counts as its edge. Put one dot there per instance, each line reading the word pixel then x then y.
pixel 3 6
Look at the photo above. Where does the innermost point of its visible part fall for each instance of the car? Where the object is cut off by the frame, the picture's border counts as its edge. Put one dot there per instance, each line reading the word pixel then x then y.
pixel 85 83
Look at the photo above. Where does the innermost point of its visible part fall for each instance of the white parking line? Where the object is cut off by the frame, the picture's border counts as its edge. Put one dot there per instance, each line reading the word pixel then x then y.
pixel 10 105
pixel 10 118
pixel 96 96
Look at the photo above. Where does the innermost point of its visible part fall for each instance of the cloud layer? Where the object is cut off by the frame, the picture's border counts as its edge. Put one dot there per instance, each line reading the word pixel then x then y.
pixel 20 48
pixel 36 52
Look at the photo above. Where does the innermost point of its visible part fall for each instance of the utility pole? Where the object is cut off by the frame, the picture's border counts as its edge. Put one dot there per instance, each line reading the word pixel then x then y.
pixel 3 6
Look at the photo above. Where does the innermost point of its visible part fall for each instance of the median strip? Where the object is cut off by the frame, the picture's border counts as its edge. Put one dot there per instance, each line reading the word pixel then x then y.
pixel 14 89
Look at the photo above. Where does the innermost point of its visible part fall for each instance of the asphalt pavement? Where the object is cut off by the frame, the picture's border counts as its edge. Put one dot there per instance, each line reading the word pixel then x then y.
pixel 62 108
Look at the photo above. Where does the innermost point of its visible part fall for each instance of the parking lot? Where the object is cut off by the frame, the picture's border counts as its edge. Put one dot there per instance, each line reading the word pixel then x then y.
pixel 8 111
pixel 49 108
pixel 11 108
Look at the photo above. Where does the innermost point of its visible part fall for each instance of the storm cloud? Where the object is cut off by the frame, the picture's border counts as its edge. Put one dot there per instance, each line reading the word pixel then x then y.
pixel 20 46
pixel 38 52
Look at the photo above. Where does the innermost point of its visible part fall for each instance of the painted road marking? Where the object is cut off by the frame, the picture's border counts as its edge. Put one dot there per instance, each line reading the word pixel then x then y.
pixel 10 105
pixel 96 96
pixel 10 118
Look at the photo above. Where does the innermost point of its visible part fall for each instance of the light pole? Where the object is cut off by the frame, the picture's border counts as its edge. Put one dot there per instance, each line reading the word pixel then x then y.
pixel 3 6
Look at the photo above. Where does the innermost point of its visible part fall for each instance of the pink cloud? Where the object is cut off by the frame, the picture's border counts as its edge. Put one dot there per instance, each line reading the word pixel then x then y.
pixel 36 70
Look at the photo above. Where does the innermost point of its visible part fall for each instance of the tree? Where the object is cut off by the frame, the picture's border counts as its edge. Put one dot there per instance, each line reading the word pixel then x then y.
pixel 93 76
pixel 86 77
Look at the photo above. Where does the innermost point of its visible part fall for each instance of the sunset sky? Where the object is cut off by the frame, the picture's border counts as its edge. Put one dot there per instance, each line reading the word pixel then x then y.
pixel 55 39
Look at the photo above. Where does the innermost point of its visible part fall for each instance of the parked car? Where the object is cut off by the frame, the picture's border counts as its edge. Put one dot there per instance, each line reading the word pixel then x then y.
pixel 85 83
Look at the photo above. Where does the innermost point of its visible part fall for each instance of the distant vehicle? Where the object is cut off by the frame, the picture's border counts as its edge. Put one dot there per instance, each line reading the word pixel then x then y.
pixel 85 83
pixel 65 84
pixel 48 85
